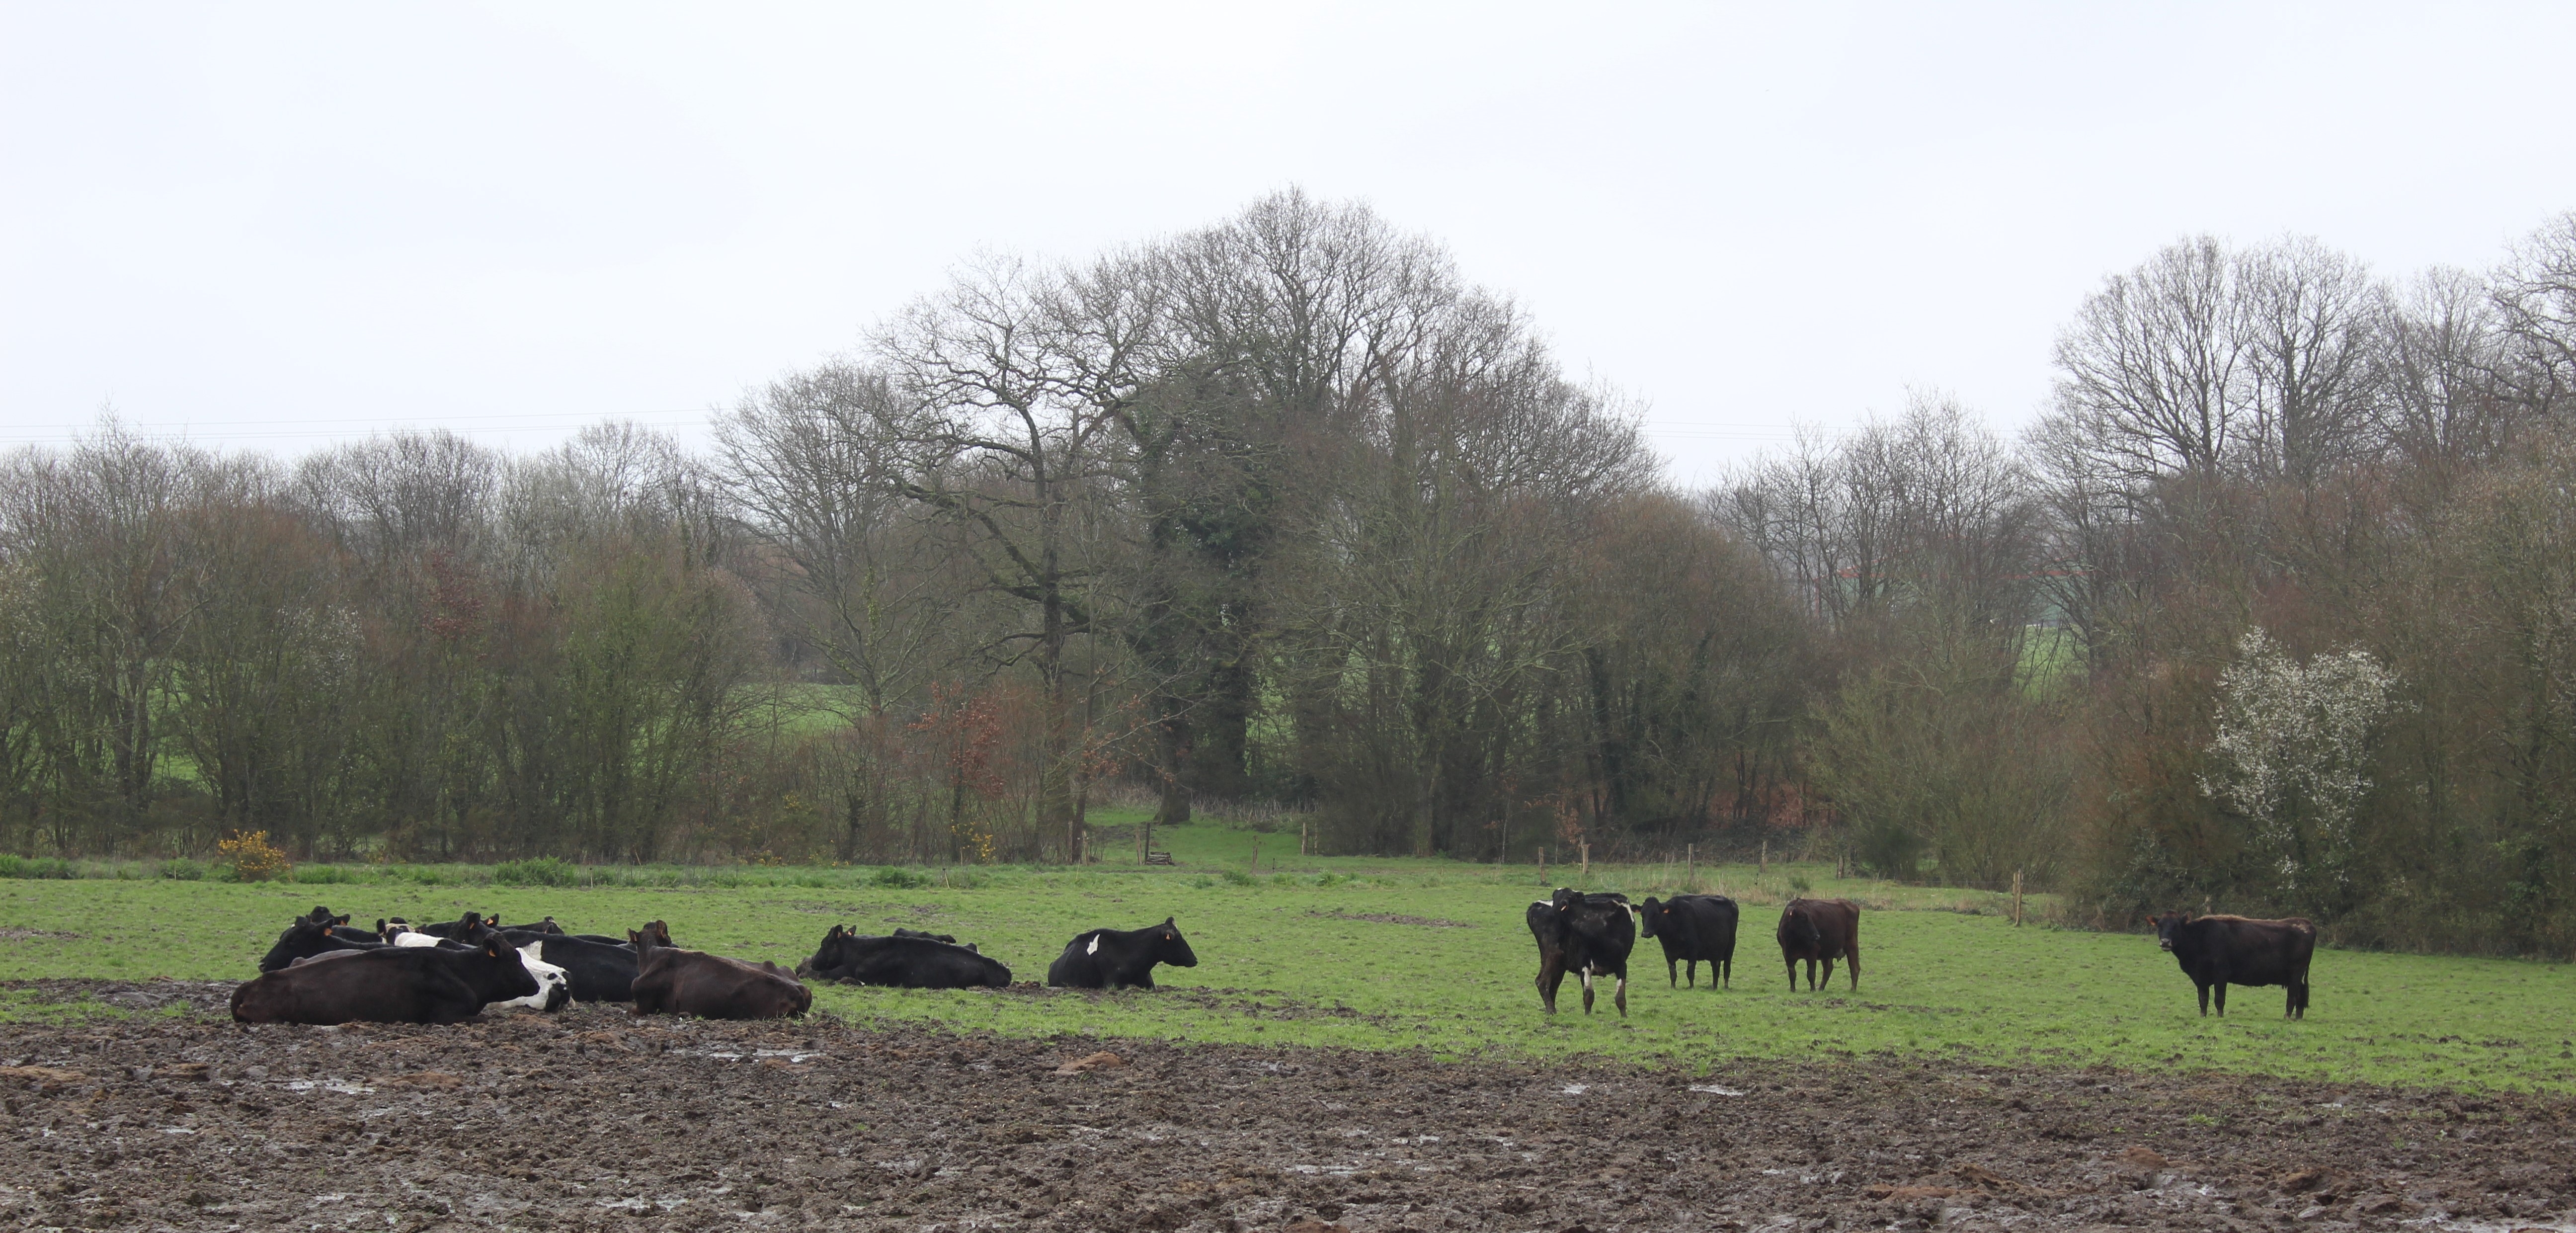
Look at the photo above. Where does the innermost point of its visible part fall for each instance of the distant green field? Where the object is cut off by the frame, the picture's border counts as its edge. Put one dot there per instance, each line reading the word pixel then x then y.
pixel 1286 959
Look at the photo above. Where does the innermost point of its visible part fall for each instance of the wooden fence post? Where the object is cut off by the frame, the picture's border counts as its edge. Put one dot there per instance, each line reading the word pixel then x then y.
pixel 1256 856
pixel 1585 879
pixel 1690 866
pixel 1766 857
pixel 1542 866
pixel 2016 898
pixel 1301 837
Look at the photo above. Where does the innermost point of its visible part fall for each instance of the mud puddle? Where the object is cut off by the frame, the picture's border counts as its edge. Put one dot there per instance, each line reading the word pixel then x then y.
pixel 590 1119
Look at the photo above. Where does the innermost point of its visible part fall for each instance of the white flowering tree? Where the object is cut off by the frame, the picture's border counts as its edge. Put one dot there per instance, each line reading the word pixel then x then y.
pixel 2292 757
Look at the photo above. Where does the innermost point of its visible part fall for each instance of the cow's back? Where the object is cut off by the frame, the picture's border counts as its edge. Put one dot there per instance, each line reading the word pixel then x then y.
pixel 2254 952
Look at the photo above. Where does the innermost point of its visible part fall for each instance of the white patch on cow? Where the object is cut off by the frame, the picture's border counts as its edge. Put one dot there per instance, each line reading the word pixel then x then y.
pixel 1094 948
pixel 414 939
pixel 549 979
pixel 1587 978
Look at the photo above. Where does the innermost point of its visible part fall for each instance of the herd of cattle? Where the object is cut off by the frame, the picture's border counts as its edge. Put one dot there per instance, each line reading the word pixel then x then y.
pixel 1591 934
pixel 325 970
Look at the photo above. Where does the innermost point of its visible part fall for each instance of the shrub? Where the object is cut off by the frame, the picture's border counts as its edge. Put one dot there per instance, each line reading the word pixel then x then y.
pixel 1798 882
pixel 541 871
pixel 181 869
pixel 252 857
pixel 1235 877
pixel 321 875
pixel 896 878
pixel 13 865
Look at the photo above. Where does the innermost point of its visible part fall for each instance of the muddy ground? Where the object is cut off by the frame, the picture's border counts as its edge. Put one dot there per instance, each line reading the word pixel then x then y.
pixel 176 1118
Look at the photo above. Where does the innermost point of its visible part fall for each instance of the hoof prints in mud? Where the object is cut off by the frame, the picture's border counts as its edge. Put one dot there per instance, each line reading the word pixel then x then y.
pixel 593 1119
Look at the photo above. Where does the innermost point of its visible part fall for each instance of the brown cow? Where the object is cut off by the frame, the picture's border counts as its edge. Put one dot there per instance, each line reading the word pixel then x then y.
pixel 671 981
pixel 1820 930
pixel 2218 951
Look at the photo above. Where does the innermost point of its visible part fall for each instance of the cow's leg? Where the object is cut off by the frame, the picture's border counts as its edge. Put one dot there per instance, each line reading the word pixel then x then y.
pixel 1851 959
pixel 2204 1001
pixel 2222 999
pixel 1619 996
pixel 1587 988
pixel 1793 974
pixel 1670 976
pixel 1829 971
pixel 1551 974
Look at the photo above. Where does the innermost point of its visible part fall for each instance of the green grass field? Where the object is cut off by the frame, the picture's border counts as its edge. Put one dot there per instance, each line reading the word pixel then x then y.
pixel 1284 959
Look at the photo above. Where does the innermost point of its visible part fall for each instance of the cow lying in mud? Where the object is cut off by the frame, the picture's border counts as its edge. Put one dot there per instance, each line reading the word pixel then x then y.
pixel 390 984
pixel 671 981
pixel 1820 931
pixel 1589 935
pixel 906 960
pixel 554 987
pixel 1120 958
pixel 2218 951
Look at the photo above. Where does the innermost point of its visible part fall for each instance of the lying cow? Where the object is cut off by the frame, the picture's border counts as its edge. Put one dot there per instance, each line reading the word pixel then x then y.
pixel 1693 928
pixel 304 938
pixel 2218 951
pixel 1820 931
pixel 902 961
pixel 391 984
pixel 554 986
pixel 1120 958
pixel 672 981
pixel 597 971
pixel 1589 935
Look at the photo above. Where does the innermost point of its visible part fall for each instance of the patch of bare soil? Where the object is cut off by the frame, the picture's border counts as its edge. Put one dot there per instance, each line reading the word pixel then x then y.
pixel 591 1119
pixel 1397 918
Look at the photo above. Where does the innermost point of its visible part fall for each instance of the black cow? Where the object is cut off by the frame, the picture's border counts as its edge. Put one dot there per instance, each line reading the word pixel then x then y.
pixel 671 981
pixel 2218 951
pixel 1693 928
pixel 304 938
pixel 1820 931
pixel 1589 935
pixel 599 971
pixel 901 932
pixel 417 984
pixel 1120 958
pixel 904 961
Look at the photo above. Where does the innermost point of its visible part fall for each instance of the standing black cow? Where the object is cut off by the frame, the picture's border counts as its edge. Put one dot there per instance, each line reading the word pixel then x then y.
pixel 1588 935
pixel 1120 958
pixel 1693 928
pixel 902 961
pixel 1820 931
pixel 2218 951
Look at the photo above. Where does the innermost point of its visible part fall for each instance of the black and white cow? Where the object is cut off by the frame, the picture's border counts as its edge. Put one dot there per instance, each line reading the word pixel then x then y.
pixel 1120 958
pixel 595 971
pixel 1589 935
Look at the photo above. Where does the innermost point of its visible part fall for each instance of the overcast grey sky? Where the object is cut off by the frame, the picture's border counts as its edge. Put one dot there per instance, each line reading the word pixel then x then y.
pixel 274 225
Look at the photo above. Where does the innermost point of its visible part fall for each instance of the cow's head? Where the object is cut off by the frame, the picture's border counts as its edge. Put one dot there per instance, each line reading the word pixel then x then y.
pixel 1798 928
pixel 659 934
pixel 1171 948
pixel 1652 916
pixel 322 916
pixel 827 953
pixel 2169 928
pixel 304 937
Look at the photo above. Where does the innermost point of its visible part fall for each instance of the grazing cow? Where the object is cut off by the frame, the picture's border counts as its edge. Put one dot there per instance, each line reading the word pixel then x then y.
pixel 1820 930
pixel 1589 935
pixel 597 971
pixel 2218 951
pixel 304 938
pixel 903 961
pixel 1693 928
pixel 409 984
pixel 1120 958
pixel 672 981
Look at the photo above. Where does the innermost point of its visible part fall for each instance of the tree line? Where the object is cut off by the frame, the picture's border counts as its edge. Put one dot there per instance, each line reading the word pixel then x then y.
pixel 2270 610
